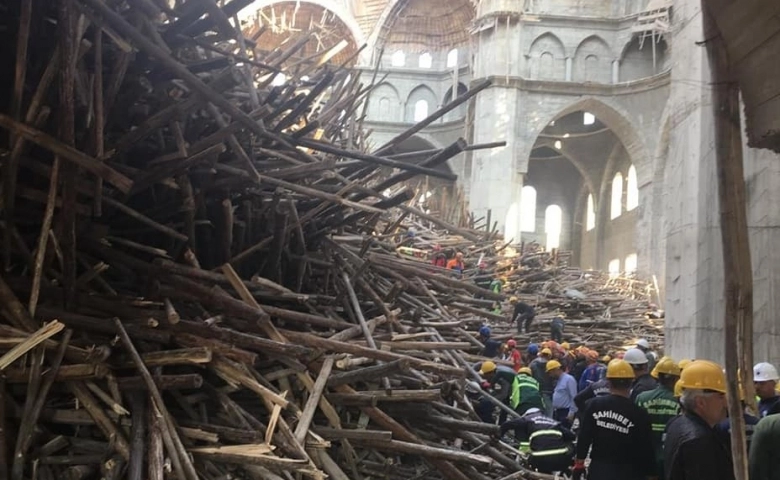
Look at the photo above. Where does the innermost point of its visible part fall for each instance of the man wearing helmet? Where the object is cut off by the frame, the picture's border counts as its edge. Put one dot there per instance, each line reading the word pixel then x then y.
pixel 530 396
pixel 548 442
pixel 693 448
pixel 616 432
pixel 594 372
pixel 644 345
pixel 513 354
pixel 644 381
pixel 523 314
pixel 765 380
pixel 504 384
pixel 491 347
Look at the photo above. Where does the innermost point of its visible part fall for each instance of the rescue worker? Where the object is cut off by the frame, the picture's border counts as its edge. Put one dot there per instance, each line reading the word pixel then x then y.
pixel 513 354
pixel 765 380
pixel 439 258
pixel 491 347
pixel 617 433
pixel 531 353
pixel 563 394
pixel 580 364
pixel 482 279
pixel 751 421
pixel 523 314
pixel 764 462
pixel 549 443
pixel 662 406
pixel 596 389
pixel 594 372
pixel 644 381
pixel 504 385
pixel 693 449
pixel 530 397
pixel 556 329
pixel 457 263
pixel 644 346
pixel 546 385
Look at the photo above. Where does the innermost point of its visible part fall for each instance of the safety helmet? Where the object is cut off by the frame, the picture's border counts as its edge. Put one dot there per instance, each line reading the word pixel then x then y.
pixel 684 363
pixel 764 372
pixel 525 370
pixel 533 349
pixel 487 367
pixel 511 343
pixel 545 344
pixel 703 375
pixel 484 331
pixel 606 359
pixel 531 411
pixel 552 365
pixel 667 366
pixel 678 389
pixel 565 345
pixel 546 351
pixel 513 299
pixel 620 369
pixel 643 343
pixel 553 344
pixel 635 356
pixel 593 355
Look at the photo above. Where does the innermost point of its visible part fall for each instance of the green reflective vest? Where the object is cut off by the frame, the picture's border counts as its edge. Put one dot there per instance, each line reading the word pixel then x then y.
pixel 662 406
pixel 528 392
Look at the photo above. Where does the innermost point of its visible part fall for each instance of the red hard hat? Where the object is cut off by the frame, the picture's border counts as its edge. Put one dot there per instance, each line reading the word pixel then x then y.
pixel 511 343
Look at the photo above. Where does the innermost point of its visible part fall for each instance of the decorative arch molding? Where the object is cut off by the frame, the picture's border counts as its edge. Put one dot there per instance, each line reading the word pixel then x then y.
pixel 565 153
pixel 593 61
pixel 381 92
pixel 547 58
pixel 339 10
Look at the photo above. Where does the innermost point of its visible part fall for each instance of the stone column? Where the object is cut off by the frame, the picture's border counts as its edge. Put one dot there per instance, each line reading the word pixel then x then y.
pixel 615 71
pixel 569 62
pixel 694 267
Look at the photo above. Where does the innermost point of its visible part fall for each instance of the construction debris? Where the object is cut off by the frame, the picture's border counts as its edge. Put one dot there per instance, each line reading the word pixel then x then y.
pixel 202 268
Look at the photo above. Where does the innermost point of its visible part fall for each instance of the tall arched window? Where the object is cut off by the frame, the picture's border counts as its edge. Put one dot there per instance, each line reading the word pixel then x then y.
pixel 528 209
pixel 553 222
pixel 398 59
pixel 546 65
pixel 630 265
pixel 614 267
pixel 425 60
pixel 617 196
pixel 632 190
pixel 590 214
pixel 384 109
pixel 452 58
pixel 420 110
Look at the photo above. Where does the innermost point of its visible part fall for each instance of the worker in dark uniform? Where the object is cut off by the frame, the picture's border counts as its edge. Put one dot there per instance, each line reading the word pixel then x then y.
pixel 491 347
pixel 548 443
pixel 580 363
pixel 765 379
pixel 504 384
pixel 644 382
pixel 523 314
pixel 556 329
pixel 693 449
pixel 482 279
pixel 546 384
pixel 662 406
pixel 617 433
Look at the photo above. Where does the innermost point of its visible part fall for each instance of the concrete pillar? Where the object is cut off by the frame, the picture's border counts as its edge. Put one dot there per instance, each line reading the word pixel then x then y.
pixel 694 267
pixel 569 63
pixel 615 71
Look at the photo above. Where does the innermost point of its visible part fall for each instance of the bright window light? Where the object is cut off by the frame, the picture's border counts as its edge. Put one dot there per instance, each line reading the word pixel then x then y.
pixel 632 190
pixel 425 60
pixel 452 58
pixel 553 222
pixel 398 59
pixel 590 215
pixel 558 145
pixel 616 206
pixel 420 110
pixel 631 263
pixel 588 119
pixel 614 267
pixel 528 209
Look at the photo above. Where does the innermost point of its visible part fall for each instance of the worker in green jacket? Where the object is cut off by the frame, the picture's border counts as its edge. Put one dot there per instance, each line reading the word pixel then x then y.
pixel 528 389
pixel 764 461
pixel 503 384
pixel 662 406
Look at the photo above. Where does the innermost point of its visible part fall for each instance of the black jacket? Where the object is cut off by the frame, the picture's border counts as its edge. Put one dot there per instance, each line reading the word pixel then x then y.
pixel 579 367
pixel 554 436
pixel 595 389
pixel 695 451
pixel 619 437
pixel 768 406
pixel 524 310
pixel 643 383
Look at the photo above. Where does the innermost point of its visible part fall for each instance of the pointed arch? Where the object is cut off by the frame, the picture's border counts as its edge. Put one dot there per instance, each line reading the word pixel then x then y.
pixel 593 61
pixel 547 58
pixel 384 104
pixel 420 93
pixel 616 199
pixel 632 189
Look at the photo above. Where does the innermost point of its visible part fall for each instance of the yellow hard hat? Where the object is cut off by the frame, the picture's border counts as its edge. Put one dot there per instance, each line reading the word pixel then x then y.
pixel 487 367
pixel 684 363
pixel 565 345
pixel 512 299
pixel 525 370
pixel 552 365
pixel 703 375
pixel 620 369
pixel 606 359
pixel 546 351
pixel 667 366
pixel 678 389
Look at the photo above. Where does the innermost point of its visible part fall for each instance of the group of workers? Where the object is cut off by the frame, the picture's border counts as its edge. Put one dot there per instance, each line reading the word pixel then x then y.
pixel 635 416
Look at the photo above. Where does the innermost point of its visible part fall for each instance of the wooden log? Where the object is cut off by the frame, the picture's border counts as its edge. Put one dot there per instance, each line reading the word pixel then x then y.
pixel 137 436
pixel 426 451
pixel 106 425
pixel 314 399
pixel 66 373
pixel 369 373
pixel 185 356
pixel 352 434
pixel 229 351
pixel 372 397
pixel 242 340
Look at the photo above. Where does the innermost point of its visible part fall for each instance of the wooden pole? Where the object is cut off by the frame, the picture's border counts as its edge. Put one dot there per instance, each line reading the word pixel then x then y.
pixel 737 266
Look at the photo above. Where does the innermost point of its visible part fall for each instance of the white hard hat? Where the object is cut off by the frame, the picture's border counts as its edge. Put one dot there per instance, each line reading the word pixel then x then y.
pixel 531 411
pixel 764 372
pixel 635 356
pixel 642 343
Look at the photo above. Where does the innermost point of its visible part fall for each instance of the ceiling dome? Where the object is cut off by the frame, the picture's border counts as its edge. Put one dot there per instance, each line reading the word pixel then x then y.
pixel 422 25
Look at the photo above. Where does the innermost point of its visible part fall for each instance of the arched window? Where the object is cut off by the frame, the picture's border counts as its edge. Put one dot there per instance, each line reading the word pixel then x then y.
pixel 591 68
pixel 632 190
pixel 452 58
pixel 630 265
pixel 425 60
pixel 617 196
pixel 553 221
pixel 384 109
pixel 546 65
pixel 398 59
pixel 614 267
pixel 528 209
pixel 590 214
pixel 420 110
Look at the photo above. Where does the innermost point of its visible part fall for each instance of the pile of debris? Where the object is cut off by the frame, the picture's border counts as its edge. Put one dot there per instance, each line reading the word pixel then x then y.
pixel 202 272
